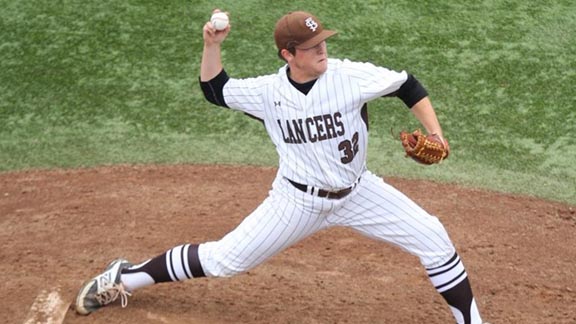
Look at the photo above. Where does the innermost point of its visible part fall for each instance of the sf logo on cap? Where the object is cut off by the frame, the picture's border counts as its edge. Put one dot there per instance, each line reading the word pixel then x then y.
pixel 310 23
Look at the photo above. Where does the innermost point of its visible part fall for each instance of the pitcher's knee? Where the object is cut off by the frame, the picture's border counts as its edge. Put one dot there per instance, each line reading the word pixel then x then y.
pixel 436 247
pixel 436 258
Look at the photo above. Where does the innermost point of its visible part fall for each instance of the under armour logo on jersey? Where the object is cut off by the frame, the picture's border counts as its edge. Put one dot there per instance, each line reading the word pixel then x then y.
pixel 310 23
pixel 276 103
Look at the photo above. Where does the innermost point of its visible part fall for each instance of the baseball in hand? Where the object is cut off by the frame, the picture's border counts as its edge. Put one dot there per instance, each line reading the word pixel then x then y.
pixel 219 20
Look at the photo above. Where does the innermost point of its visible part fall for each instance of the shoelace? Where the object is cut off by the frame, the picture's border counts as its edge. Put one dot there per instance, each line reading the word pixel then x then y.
pixel 111 293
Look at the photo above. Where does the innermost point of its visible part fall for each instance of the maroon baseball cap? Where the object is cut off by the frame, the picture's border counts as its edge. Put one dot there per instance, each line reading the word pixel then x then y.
pixel 299 29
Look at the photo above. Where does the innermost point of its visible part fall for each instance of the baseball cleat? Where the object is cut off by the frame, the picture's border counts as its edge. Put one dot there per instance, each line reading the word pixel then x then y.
pixel 103 289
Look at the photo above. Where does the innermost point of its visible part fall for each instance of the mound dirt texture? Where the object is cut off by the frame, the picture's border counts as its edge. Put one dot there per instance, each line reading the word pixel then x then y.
pixel 59 228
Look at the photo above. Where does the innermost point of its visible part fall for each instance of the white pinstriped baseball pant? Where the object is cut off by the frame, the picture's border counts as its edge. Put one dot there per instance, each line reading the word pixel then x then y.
pixel 288 215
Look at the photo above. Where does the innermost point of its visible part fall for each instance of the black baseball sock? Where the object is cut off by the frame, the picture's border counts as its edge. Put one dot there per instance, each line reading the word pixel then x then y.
pixel 177 264
pixel 451 281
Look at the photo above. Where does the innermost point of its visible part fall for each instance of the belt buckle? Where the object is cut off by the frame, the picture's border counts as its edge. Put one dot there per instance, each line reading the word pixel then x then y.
pixel 324 193
pixel 339 194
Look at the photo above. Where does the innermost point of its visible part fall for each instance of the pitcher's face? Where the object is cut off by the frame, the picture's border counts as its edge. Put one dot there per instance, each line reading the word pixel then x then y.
pixel 308 64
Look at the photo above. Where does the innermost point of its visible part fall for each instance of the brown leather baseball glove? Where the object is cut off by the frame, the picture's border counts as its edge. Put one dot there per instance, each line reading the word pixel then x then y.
pixel 425 149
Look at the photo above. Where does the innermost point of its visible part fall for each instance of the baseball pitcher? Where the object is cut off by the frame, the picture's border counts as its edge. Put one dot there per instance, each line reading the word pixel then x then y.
pixel 314 109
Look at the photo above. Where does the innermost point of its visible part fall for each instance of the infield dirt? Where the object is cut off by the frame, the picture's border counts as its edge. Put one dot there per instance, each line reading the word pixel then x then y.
pixel 61 227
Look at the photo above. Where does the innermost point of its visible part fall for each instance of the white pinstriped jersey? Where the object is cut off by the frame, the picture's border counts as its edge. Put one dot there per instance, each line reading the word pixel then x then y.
pixel 321 138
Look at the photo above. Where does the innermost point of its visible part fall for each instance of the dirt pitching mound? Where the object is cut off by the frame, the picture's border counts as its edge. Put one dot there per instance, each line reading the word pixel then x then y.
pixel 59 228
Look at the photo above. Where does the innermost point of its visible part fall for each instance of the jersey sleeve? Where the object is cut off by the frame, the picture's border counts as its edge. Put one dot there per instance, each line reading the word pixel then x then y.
pixel 374 81
pixel 410 92
pixel 212 89
pixel 247 95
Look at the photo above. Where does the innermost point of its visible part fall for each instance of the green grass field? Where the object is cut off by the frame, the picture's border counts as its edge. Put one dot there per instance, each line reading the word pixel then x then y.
pixel 94 83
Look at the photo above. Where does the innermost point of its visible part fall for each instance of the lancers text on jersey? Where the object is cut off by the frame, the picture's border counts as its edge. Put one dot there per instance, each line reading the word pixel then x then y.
pixel 312 129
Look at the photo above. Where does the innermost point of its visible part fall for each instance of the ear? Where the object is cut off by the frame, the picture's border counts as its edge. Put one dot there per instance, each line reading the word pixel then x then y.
pixel 286 55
